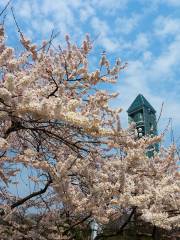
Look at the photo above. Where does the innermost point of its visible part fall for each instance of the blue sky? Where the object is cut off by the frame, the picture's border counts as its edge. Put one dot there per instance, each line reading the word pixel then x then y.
pixel 144 33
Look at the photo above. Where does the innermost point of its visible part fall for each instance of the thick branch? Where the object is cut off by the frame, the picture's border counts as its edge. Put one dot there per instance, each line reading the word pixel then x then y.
pixel 15 126
pixel 121 229
pixel 34 194
pixel 77 223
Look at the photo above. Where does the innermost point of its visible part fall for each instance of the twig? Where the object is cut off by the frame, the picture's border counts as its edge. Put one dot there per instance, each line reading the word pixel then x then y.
pixel 49 42
pixel 4 18
pixel 56 88
pixel 160 114
pixel 18 28
pixel 4 9
pixel 172 133
pixel 167 126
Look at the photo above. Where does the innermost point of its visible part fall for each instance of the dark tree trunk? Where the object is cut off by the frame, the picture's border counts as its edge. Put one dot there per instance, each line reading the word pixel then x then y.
pixel 155 233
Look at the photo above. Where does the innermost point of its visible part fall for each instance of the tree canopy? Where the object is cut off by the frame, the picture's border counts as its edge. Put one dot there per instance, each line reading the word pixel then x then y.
pixel 57 126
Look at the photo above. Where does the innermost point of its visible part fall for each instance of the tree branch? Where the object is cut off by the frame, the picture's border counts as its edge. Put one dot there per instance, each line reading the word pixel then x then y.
pixel 4 9
pixel 77 223
pixel 121 229
pixel 34 194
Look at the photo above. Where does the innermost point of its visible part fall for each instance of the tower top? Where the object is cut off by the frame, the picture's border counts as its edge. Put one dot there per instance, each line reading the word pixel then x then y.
pixel 139 103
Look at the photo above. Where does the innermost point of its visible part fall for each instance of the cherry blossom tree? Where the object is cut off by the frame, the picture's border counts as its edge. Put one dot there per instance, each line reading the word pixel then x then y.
pixel 59 131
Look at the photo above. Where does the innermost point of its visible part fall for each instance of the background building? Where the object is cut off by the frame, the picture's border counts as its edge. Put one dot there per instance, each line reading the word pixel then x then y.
pixel 144 115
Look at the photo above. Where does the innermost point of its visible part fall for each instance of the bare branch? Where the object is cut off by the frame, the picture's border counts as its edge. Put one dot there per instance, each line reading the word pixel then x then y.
pixel 160 114
pixel 6 6
pixel 121 229
pixel 18 28
pixel 32 195
pixel 77 223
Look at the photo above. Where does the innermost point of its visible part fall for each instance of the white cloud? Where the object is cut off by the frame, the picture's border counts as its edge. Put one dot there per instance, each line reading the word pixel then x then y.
pixel 100 26
pixel 141 43
pixel 156 3
pixel 3 4
pixel 174 3
pixel 109 44
pixel 165 26
pixel 24 10
pixel 163 66
pixel 86 12
pixel 46 27
pixel 126 25
pixel 110 6
pixel 147 56
pixel 105 40
pixel 60 11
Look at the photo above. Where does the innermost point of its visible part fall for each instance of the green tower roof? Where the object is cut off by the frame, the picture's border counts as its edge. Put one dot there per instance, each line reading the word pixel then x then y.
pixel 139 103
